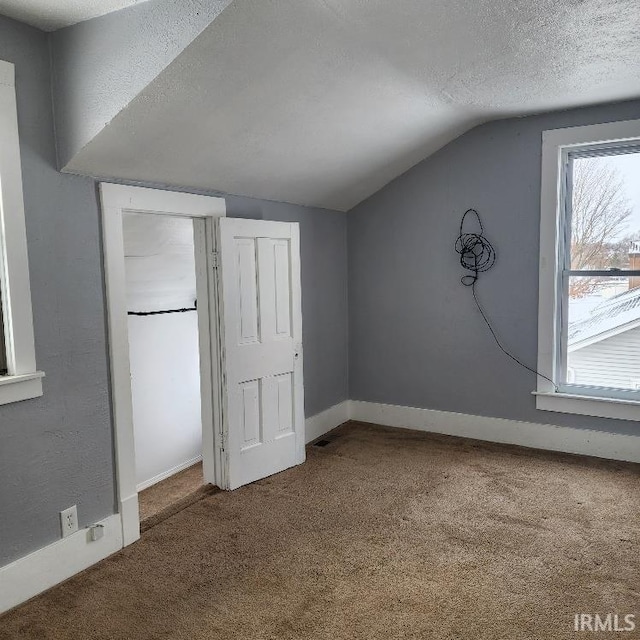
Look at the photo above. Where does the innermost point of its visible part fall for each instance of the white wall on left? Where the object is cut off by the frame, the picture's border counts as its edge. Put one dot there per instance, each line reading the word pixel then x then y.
pixel 163 349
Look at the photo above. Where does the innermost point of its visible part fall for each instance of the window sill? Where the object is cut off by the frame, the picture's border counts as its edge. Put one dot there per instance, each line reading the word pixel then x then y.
pixel 588 405
pixel 18 388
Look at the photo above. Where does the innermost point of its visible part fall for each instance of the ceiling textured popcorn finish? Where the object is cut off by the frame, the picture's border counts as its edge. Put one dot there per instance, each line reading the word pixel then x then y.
pixel 323 102
pixel 50 15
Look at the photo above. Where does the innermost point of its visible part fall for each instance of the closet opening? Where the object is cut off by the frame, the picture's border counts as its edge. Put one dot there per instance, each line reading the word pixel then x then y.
pixel 162 322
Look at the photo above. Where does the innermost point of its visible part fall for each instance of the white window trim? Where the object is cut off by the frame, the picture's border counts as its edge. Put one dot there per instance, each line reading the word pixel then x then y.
pixel 24 381
pixel 555 146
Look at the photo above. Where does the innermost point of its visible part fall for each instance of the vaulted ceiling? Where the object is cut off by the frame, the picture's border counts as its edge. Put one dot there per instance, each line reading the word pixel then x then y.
pixel 50 15
pixel 323 102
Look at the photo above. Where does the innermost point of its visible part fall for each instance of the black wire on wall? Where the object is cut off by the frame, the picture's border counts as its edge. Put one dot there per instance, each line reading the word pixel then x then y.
pixel 477 255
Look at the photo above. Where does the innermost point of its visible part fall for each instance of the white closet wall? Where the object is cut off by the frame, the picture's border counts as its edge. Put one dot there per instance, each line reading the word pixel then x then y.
pixel 165 377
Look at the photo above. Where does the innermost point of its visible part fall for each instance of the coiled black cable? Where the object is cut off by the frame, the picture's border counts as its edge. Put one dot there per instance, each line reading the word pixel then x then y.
pixel 476 252
pixel 478 256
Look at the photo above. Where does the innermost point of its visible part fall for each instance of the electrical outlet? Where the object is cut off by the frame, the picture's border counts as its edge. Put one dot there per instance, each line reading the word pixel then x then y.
pixel 69 521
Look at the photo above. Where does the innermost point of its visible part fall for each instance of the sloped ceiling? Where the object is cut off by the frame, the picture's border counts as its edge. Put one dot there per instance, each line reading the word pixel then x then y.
pixel 101 65
pixel 50 15
pixel 323 102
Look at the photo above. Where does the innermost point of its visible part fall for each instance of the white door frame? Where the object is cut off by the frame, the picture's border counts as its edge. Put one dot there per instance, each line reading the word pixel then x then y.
pixel 116 200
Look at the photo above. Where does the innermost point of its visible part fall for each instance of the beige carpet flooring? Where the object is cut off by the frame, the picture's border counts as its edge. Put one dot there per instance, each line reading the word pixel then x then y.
pixel 382 534
pixel 162 500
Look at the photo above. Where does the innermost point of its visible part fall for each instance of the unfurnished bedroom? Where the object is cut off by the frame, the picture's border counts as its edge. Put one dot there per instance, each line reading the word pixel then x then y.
pixel 319 319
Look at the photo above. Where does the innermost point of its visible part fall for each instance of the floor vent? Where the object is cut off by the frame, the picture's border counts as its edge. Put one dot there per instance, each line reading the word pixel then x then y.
pixel 321 443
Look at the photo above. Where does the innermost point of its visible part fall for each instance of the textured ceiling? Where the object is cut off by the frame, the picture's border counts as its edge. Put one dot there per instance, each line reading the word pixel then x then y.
pixel 323 102
pixel 50 15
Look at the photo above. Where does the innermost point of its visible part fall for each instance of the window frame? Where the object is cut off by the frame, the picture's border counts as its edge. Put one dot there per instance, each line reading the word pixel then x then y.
pixel 23 380
pixel 557 145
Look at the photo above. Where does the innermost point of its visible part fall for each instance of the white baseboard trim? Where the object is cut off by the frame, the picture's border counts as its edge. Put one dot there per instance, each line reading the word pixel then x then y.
pixel 599 444
pixel 42 569
pixel 167 474
pixel 130 514
pixel 323 422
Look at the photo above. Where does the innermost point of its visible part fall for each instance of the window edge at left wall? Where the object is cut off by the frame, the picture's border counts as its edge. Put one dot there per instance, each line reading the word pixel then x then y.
pixel 23 381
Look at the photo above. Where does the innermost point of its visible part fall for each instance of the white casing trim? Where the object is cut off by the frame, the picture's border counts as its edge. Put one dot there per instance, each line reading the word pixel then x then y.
pixel 599 444
pixel 117 200
pixel 327 420
pixel 616 408
pixel 42 569
pixel 556 144
pixel 18 388
pixel 167 474
pixel 24 381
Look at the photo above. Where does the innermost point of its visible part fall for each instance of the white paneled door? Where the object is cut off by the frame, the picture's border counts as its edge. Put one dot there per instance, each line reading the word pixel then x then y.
pixel 263 403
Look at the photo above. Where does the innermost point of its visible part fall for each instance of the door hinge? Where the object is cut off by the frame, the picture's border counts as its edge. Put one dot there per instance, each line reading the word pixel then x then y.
pixel 214 260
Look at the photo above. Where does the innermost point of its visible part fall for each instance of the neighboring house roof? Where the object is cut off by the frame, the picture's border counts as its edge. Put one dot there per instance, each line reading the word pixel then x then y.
pixel 611 317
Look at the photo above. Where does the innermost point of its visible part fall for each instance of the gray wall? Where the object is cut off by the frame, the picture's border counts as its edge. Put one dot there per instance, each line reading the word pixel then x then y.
pixel 416 338
pixel 323 249
pixel 55 451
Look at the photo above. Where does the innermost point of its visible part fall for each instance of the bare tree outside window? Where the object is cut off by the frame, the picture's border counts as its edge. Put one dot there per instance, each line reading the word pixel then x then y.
pixel 603 319
pixel 600 214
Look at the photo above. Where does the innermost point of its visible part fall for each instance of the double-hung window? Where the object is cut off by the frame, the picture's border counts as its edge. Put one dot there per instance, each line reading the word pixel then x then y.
pixel 589 308
pixel 19 378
